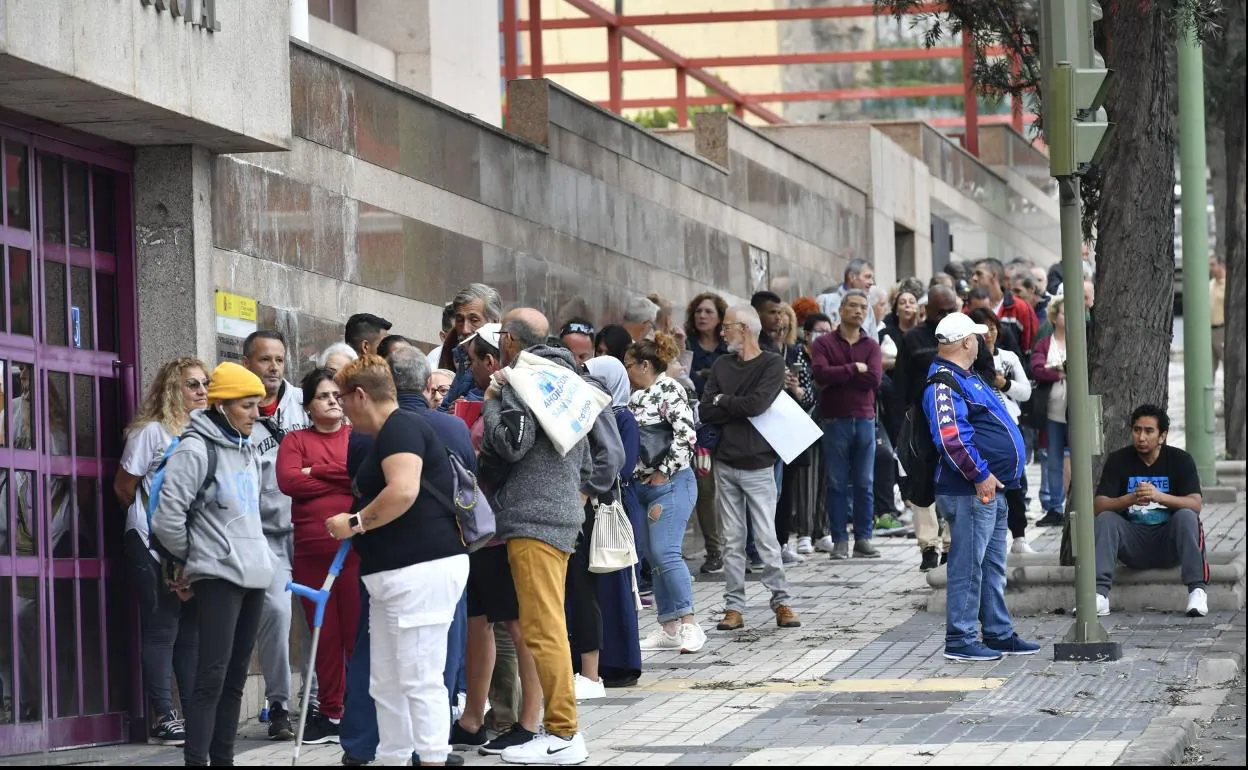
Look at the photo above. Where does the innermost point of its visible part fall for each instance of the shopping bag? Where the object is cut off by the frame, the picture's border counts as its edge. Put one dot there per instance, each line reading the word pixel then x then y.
pixel 564 404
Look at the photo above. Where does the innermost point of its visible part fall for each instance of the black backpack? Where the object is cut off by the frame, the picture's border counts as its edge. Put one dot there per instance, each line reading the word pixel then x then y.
pixel 916 451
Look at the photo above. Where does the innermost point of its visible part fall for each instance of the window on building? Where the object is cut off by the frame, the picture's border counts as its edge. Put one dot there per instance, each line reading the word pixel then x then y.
pixel 340 13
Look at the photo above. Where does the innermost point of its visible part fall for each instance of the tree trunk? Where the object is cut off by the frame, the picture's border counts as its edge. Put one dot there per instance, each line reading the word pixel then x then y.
pixel 1236 157
pixel 1130 345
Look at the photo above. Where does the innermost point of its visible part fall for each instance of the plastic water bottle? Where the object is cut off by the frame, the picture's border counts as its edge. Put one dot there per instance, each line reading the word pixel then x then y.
pixel 264 714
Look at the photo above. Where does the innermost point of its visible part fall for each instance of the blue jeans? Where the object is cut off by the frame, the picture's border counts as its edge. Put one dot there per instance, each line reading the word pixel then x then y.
pixel 976 590
pixel 849 454
pixel 663 536
pixel 358 730
pixel 1053 494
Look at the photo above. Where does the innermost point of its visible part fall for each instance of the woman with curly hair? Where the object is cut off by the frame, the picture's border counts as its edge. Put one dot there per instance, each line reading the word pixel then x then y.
pixel 169 638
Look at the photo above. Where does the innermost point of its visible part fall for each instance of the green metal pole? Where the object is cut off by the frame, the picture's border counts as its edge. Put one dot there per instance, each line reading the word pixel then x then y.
pixel 1197 345
pixel 1082 422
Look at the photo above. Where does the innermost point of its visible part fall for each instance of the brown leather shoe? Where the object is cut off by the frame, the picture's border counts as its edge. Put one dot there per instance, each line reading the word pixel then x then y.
pixel 732 621
pixel 787 618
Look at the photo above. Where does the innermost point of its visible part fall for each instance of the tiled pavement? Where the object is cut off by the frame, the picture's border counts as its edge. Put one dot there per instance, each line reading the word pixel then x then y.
pixel 863 682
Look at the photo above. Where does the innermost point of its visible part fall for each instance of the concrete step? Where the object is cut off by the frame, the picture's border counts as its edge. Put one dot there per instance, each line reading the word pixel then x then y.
pixel 1231 473
pixel 1037 584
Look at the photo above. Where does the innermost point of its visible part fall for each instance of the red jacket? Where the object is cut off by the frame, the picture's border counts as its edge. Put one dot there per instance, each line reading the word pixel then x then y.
pixel 1022 317
pixel 320 494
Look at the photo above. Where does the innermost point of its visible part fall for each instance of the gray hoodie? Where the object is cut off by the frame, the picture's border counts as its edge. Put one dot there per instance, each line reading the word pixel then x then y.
pixel 266 437
pixel 218 535
pixel 540 498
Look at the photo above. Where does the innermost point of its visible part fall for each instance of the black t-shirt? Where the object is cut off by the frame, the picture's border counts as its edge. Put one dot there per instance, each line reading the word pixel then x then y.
pixel 1174 473
pixel 427 531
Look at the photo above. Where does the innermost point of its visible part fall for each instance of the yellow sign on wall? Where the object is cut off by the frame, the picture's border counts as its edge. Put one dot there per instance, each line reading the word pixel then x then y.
pixel 236 306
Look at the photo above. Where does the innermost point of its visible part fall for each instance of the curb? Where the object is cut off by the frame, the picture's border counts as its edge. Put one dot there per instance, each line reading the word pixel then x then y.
pixel 1166 739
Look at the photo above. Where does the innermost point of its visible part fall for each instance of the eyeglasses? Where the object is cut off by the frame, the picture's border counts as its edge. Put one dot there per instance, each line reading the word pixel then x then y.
pixel 728 326
pixel 441 390
pixel 577 328
pixel 193 384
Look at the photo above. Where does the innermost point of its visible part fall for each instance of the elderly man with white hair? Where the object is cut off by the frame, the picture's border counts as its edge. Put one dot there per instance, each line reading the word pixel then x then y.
pixel 741 386
pixel 639 318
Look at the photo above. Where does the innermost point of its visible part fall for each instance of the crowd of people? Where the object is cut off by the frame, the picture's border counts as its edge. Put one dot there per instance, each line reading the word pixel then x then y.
pixel 267 479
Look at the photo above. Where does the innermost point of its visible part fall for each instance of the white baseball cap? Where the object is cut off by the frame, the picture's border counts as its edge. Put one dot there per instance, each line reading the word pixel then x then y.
pixel 956 327
pixel 490 333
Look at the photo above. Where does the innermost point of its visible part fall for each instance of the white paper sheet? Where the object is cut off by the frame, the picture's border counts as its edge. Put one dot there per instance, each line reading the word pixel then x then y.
pixel 787 427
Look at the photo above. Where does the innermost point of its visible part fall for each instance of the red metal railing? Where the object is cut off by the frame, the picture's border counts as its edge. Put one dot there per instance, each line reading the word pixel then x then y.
pixel 625 27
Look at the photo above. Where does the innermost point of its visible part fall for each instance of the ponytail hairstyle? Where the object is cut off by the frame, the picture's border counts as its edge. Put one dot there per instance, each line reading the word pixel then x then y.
pixel 659 352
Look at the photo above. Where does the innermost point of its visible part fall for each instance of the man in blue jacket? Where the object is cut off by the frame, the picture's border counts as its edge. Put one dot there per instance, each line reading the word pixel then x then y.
pixel 980 454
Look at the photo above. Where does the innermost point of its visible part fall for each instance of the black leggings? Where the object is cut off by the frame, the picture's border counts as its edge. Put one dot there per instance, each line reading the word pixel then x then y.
pixel 581 588
pixel 1017 511
pixel 229 619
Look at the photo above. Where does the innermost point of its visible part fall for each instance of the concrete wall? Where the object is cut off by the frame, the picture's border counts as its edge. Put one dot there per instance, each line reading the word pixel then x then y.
pixel 389 202
pixel 125 71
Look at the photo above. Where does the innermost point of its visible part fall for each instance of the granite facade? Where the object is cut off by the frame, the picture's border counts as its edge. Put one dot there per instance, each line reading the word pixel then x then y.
pixel 404 201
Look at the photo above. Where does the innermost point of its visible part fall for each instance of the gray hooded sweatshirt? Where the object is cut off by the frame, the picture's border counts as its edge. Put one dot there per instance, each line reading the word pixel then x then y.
pixel 540 498
pixel 266 437
pixel 218 535
pixel 605 446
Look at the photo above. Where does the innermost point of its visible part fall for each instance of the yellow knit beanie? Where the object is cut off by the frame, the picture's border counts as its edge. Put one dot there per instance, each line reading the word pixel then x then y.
pixel 231 381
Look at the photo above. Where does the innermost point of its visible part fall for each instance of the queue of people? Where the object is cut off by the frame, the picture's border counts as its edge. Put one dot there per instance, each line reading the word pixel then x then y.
pixel 267 479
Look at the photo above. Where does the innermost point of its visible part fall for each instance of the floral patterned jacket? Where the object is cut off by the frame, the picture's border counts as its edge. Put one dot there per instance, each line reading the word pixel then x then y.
pixel 666 402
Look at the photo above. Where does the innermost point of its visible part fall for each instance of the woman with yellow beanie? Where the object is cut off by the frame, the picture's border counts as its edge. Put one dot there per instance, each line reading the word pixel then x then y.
pixel 208 518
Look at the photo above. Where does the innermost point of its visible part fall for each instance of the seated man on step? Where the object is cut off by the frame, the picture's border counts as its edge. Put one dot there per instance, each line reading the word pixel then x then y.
pixel 1148 511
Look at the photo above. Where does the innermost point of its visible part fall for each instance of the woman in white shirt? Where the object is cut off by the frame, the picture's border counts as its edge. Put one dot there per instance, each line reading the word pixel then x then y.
pixel 170 638
pixel 1013 388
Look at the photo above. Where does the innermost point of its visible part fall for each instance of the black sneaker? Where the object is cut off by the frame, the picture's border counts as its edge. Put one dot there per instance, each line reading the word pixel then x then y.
pixel 169 730
pixel 463 740
pixel 1051 519
pixel 712 566
pixel 755 561
pixel 944 558
pixel 931 560
pixel 318 729
pixel 279 724
pixel 516 736
pixel 350 761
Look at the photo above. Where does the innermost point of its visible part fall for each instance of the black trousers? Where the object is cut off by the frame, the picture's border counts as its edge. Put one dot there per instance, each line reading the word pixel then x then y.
pixel 1016 500
pixel 229 619
pixel 584 616
pixel 885 479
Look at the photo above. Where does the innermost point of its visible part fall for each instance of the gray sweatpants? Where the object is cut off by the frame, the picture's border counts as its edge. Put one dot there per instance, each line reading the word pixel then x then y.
pixel 1141 546
pixel 273 641
pixel 741 494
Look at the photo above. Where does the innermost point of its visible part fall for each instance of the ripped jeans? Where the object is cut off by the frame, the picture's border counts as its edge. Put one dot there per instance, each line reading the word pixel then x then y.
pixel 662 539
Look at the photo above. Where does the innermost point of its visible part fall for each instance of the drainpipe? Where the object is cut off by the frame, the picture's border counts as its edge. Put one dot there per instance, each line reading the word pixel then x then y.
pixel 299 19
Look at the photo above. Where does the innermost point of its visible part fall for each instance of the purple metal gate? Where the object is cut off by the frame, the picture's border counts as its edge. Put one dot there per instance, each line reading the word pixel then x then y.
pixel 67 354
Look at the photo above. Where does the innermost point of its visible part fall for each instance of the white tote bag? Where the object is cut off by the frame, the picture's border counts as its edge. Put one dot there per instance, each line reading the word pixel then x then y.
pixel 564 404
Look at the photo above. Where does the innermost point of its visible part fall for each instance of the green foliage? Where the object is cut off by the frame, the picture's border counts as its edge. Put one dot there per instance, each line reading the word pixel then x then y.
pixel 1014 26
pixel 666 118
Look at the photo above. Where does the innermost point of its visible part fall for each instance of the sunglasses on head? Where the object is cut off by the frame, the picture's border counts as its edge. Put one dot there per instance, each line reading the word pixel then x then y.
pixel 576 328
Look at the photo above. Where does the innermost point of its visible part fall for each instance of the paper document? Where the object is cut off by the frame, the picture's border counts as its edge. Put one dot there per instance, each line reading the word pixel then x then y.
pixel 787 427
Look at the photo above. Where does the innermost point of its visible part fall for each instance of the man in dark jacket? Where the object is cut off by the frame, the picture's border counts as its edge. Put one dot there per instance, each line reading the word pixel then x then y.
pixel 918 348
pixel 981 455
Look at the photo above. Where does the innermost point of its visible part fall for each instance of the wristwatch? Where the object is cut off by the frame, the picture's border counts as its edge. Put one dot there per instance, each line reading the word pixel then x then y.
pixel 357 526
pixel 715 401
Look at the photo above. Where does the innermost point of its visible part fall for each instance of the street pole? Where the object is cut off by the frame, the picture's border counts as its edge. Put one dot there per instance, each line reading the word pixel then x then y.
pixel 1088 639
pixel 1197 343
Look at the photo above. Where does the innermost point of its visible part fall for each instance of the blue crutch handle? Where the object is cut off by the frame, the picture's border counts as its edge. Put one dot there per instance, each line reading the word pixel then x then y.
pixel 320 596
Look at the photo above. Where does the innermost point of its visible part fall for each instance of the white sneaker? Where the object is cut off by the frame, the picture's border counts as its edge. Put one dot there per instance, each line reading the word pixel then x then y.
pixel 1021 546
pixel 1102 606
pixel 692 637
pixel 588 689
pixel 661 640
pixel 788 555
pixel 804 546
pixel 1197 603
pixel 824 544
pixel 548 749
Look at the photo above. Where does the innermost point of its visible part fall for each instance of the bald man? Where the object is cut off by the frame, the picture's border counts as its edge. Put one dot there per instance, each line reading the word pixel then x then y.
pixel 523 328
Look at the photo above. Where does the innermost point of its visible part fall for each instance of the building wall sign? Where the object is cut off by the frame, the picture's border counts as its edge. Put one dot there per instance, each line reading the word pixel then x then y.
pixel 201 14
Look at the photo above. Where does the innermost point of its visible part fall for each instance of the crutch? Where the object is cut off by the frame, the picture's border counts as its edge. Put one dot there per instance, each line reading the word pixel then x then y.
pixel 319 597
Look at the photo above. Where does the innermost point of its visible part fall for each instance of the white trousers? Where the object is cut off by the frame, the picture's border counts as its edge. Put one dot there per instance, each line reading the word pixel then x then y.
pixel 410 614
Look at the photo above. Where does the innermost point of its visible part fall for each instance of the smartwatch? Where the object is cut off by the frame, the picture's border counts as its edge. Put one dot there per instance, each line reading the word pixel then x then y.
pixel 356 524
